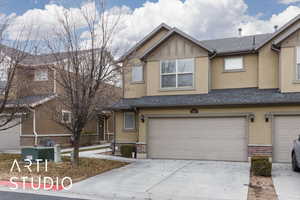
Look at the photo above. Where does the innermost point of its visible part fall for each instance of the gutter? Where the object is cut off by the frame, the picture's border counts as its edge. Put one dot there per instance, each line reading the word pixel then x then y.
pixel 34 126
pixel 275 48
pixel 214 54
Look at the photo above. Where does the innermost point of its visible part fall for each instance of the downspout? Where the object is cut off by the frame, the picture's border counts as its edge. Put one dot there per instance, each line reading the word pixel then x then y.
pixel 34 127
pixel 114 135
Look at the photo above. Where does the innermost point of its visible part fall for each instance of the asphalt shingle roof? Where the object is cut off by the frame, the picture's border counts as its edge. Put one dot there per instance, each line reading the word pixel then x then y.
pixel 236 44
pixel 222 97
pixel 29 100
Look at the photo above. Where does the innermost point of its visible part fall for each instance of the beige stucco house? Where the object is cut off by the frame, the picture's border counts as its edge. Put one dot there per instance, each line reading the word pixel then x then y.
pixel 224 99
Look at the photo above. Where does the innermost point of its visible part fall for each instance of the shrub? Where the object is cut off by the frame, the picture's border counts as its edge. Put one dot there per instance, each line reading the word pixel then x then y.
pixel 127 150
pixel 261 166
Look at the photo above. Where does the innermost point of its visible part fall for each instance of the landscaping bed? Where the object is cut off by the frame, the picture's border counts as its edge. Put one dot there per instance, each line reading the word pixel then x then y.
pixel 261 184
pixel 261 188
pixel 88 167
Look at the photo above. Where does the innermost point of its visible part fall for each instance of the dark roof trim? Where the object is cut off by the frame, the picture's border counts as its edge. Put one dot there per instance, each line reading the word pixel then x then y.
pixel 181 33
pixel 286 35
pixel 146 38
pixel 233 53
pixel 278 31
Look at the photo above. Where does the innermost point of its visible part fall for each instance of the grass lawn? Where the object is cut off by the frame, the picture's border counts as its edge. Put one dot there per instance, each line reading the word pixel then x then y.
pixel 88 167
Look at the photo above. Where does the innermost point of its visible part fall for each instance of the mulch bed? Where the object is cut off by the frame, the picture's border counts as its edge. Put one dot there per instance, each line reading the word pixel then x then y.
pixel 261 188
pixel 88 167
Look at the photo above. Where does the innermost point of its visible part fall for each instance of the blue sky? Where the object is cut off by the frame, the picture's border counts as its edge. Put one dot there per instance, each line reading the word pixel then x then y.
pixel 255 7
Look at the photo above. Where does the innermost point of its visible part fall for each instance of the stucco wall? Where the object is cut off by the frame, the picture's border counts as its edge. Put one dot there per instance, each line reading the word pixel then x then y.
pixel 288 82
pixel 124 136
pixel 134 90
pixel 240 79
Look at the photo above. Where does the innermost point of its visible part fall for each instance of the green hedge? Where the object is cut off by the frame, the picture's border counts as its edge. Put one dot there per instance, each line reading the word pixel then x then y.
pixel 261 166
pixel 127 150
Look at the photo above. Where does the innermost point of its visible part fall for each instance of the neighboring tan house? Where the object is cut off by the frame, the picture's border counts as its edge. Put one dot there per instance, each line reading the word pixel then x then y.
pixel 38 98
pixel 224 99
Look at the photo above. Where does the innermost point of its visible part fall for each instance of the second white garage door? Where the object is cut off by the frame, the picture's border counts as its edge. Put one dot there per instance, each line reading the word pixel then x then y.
pixel 286 130
pixel 198 138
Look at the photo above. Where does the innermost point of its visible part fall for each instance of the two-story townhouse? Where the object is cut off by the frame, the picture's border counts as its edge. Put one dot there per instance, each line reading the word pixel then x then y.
pixel 38 77
pixel 223 99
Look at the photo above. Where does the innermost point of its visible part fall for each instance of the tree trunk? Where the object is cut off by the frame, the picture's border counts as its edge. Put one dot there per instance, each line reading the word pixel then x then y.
pixel 76 145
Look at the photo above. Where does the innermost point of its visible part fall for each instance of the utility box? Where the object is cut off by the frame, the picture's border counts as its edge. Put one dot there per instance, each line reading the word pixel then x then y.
pixel 33 153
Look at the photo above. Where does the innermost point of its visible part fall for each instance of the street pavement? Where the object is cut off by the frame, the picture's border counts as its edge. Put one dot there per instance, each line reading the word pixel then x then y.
pixel 27 196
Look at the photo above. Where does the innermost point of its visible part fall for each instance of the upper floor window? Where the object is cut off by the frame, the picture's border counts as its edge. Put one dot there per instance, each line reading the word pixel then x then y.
pixel 66 116
pixel 233 64
pixel 129 120
pixel 177 74
pixel 137 74
pixel 298 64
pixel 41 75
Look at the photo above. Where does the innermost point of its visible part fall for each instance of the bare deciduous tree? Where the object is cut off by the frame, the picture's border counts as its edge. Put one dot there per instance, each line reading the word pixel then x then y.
pixel 12 53
pixel 85 69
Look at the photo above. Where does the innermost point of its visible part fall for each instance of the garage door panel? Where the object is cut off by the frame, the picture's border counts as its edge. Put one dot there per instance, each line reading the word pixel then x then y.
pixel 287 129
pixel 198 138
pixel 10 138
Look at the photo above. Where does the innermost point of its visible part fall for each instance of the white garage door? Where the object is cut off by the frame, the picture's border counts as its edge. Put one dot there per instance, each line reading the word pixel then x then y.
pixel 198 138
pixel 286 130
pixel 10 138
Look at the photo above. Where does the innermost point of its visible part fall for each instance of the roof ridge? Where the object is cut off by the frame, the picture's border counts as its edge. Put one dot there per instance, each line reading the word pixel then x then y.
pixel 237 37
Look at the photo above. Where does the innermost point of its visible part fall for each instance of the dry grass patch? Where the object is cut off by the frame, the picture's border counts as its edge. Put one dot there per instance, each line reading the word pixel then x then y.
pixel 87 167
pixel 261 188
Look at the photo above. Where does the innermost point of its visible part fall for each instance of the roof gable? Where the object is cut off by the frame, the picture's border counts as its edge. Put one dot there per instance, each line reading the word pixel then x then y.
pixel 182 34
pixel 279 31
pixel 286 35
pixel 145 39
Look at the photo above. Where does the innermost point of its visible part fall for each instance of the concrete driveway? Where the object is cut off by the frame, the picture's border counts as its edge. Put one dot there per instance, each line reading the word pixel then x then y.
pixel 170 179
pixel 286 182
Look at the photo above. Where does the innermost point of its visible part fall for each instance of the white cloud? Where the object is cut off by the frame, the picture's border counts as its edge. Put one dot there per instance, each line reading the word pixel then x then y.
pixel 255 25
pixel 288 1
pixel 200 18
pixel 41 23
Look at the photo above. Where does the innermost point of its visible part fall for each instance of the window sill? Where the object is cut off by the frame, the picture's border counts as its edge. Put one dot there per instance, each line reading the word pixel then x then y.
pixel 41 80
pixel 137 82
pixel 237 70
pixel 176 89
pixel 296 81
pixel 129 130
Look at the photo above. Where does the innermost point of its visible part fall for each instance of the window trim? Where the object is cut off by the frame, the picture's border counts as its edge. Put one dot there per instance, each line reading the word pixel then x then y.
pixel 143 77
pixel 176 73
pixel 124 121
pixel 243 69
pixel 35 77
pixel 62 119
pixel 297 79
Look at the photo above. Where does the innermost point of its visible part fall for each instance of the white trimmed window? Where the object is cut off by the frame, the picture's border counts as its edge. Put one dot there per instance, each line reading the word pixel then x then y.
pixel 129 120
pixel 298 64
pixel 137 73
pixel 177 74
pixel 41 75
pixel 233 64
pixel 66 116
